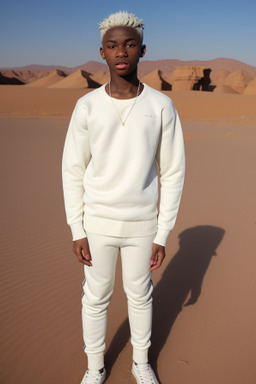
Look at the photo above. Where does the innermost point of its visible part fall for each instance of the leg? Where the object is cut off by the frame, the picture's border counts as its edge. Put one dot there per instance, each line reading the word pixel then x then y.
pixel 135 255
pixel 97 290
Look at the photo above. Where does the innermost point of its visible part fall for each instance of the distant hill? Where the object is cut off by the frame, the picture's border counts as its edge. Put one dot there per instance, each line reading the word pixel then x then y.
pixel 35 71
pixel 24 76
pixel 167 66
pixel 10 80
pixel 91 67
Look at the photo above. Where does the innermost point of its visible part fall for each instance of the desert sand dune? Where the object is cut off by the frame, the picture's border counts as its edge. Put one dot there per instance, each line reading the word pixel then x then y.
pixel 54 77
pixel 251 88
pixel 168 77
pixel 224 89
pixel 218 77
pixel 155 80
pixel 78 79
pixel 101 77
pixel 238 80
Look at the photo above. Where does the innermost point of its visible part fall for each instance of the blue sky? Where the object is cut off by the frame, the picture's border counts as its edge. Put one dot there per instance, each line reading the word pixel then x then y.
pixel 66 32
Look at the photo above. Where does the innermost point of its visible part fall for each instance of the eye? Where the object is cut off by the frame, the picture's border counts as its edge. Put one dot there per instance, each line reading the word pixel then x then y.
pixel 130 45
pixel 111 46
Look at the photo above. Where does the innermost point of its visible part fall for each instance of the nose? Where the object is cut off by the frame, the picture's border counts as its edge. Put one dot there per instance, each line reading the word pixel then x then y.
pixel 121 51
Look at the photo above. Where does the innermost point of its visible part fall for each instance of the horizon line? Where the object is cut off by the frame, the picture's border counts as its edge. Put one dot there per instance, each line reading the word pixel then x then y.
pixel 100 62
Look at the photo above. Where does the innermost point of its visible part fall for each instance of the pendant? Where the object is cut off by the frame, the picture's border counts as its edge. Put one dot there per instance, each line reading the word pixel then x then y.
pixel 123 123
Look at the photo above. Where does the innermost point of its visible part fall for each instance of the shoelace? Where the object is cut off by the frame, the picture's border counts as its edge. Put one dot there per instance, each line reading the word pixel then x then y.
pixel 145 373
pixel 92 377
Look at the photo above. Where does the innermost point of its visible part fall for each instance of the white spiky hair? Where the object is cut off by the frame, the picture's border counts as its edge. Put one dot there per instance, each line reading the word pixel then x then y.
pixel 121 19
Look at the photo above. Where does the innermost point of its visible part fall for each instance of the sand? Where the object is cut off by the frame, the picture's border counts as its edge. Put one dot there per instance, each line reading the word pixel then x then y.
pixel 54 77
pixel 204 323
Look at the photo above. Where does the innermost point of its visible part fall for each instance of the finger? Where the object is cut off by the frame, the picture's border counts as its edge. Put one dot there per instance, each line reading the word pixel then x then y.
pixel 158 262
pixel 83 256
pixel 154 267
pixel 82 260
pixel 86 257
pixel 153 259
pixel 86 254
pixel 153 262
pixel 87 263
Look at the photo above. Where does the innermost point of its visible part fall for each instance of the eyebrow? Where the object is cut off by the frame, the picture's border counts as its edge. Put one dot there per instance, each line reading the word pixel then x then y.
pixel 126 40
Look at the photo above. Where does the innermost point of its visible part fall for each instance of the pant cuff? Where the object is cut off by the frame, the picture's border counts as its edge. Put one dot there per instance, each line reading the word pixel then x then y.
pixel 95 361
pixel 140 356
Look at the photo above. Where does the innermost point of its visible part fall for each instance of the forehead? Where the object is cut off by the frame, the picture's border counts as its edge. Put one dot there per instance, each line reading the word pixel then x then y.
pixel 121 34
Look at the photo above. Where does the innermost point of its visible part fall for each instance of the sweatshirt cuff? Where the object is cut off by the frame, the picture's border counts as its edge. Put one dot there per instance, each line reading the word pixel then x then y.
pixel 161 237
pixel 78 231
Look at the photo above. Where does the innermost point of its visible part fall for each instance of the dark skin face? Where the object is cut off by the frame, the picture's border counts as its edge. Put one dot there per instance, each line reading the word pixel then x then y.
pixel 122 49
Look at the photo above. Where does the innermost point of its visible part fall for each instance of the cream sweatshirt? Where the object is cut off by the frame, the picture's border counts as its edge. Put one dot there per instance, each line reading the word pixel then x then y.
pixel 109 171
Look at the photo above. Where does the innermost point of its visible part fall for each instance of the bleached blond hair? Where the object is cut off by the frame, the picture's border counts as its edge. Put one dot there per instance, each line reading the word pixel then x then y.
pixel 121 19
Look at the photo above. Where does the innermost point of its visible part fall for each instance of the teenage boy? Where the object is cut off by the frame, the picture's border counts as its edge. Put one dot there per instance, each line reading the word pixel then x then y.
pixel 116 136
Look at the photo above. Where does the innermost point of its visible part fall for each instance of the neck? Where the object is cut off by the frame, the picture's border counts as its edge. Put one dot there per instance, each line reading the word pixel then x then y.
pixel 124 87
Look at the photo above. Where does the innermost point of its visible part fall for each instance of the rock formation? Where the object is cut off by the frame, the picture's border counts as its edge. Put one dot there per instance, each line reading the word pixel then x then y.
pixel 9 80
pixel 186 77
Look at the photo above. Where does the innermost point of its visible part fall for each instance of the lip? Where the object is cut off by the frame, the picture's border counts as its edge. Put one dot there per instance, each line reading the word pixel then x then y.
pixel 121 65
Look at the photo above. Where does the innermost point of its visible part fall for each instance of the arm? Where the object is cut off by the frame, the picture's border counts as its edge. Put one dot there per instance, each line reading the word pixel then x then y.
pixel 171 161
pixel 76 156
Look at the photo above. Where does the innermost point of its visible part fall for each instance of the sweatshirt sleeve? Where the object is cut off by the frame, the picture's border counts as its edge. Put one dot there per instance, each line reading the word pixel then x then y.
pixel 76 157
pixel 171 161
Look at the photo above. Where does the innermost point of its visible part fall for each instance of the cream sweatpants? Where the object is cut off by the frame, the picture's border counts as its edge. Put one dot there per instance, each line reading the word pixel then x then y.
pixel 98 287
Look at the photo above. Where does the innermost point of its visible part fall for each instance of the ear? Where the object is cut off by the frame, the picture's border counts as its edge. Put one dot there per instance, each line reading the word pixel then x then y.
pixel 143 50
pixel 102 53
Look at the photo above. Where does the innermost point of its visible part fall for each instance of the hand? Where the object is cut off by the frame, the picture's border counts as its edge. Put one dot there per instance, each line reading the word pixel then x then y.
pixel 158 255
pixel 82 251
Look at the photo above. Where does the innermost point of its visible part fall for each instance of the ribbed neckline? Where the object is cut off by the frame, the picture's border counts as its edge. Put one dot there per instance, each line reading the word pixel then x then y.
pixel 124 101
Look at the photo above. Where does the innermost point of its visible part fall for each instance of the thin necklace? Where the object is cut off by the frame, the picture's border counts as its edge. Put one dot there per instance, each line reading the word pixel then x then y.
pixel 120 118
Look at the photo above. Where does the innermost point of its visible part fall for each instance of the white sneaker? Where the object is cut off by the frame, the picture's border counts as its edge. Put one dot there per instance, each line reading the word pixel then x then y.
pixel 144 374
pixel 94 377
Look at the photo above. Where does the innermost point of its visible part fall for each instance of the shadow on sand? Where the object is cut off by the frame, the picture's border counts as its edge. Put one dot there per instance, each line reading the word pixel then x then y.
pixel 179 286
